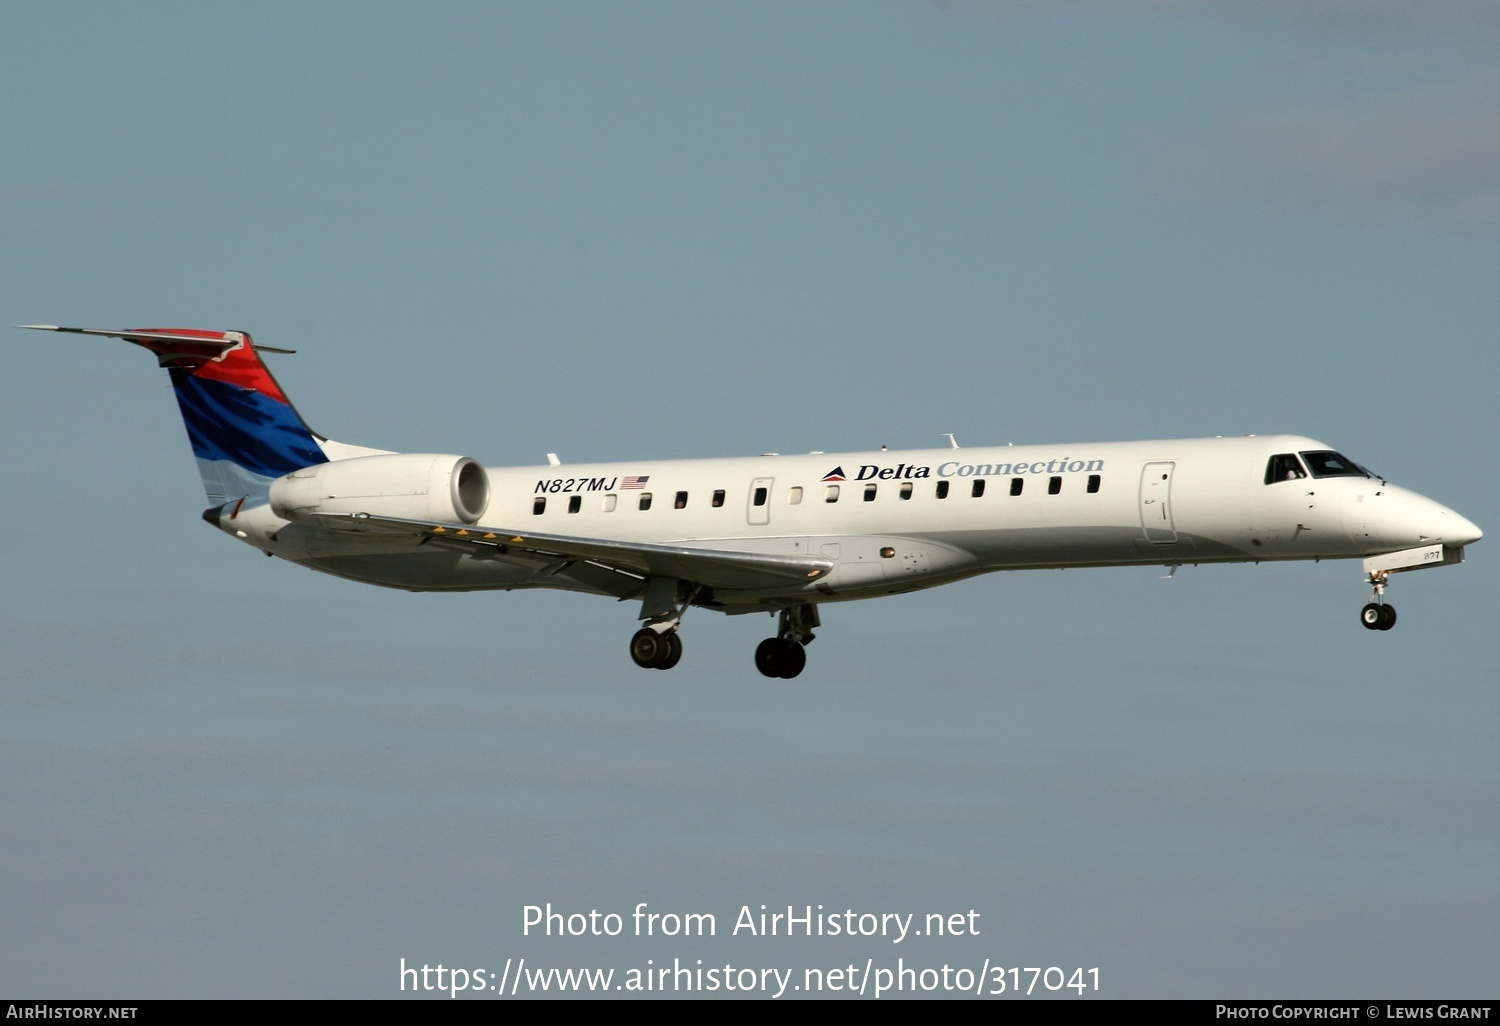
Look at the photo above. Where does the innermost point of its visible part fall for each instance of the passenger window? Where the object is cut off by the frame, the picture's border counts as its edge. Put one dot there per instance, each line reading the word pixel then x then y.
pixel 575 503
pixel 832 495
pixel 869 493
pixel 645 500
pixel 942 489
pixel 718 498
pixel 1016 484
pixel 1093 483
pixel 794 496
pixel 906 490
pixel 609 503
pixel 978 488
pixel 1054 486
pixel 1284 467
pixel 760 496
pixel 681 501
pixel 538 505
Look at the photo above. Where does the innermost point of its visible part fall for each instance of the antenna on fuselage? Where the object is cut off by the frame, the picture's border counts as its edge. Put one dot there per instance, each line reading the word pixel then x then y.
pixel 952 442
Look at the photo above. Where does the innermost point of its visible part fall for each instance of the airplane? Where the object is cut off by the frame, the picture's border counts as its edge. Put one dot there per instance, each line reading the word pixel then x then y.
pixel 773 534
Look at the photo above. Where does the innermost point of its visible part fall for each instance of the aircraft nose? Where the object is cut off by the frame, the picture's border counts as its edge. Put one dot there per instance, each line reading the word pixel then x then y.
pixel 1460 530
pixel 1439 523
pixel 1403 517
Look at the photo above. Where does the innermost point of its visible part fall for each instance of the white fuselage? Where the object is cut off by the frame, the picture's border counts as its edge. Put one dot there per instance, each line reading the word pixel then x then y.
pixel 898 521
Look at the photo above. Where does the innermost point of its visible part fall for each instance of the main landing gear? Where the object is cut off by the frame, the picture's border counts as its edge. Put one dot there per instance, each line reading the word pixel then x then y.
pixel 785 655
pixel 780 657
pixel 651 650
pixel 1377 616
pixel 656 646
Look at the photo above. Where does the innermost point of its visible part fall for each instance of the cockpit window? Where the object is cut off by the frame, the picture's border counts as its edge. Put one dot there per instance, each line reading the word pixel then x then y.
pixel 1284 467
pixel 1332 464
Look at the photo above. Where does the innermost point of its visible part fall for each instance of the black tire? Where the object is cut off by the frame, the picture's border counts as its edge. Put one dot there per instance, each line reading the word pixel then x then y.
pixel 793 659
pixel 671 653
pixel 646 648
pixel 1372 616
pixel 1388 618
pixel 768 657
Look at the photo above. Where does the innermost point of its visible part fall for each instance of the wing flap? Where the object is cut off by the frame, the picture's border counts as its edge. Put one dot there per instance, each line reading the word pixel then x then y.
pixel 716 568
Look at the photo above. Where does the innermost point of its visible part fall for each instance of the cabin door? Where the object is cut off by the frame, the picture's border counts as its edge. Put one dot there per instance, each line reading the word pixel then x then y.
pixel 1156 503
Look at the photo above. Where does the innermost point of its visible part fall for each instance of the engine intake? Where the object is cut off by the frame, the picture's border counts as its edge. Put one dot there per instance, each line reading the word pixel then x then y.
pixel 418 486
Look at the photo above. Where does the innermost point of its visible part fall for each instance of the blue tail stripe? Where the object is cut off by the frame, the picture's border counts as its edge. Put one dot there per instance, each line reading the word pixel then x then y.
pixel 245 428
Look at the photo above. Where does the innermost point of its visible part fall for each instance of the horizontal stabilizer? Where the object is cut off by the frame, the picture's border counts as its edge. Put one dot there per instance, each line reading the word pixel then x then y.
pixel 219 345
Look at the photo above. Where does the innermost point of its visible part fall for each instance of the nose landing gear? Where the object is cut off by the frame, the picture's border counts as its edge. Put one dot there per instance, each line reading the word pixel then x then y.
pixel 1376 615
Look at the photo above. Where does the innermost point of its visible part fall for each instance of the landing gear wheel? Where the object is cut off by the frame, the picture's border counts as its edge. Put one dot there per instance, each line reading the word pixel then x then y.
pixel 768 657
pixel 793 659
pixel 646 647
pixel 673 651
pixel 1377 616
pixel 780 657
pixel 651 650
pixel 1389 620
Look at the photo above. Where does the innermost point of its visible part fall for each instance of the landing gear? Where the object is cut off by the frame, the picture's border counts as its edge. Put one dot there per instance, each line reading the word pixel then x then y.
pixel 656 646
pixel 780 657
pixel 785 655
pixel 1377 616
pixel 651 650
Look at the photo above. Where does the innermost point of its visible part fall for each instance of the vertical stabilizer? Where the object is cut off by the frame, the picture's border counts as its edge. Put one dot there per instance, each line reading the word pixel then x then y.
pixel 243 431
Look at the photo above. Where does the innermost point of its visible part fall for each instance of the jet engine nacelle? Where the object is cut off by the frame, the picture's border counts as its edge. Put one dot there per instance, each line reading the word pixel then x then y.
pixel 417 486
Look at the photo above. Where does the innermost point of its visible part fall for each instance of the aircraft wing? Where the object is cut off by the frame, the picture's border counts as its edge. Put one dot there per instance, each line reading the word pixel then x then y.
pixel 716 568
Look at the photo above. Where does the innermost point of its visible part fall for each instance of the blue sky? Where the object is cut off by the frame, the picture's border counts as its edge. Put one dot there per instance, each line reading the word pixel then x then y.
pixel 672 229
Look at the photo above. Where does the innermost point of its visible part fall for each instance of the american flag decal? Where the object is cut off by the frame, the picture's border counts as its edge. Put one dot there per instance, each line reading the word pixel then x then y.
pixel 635 482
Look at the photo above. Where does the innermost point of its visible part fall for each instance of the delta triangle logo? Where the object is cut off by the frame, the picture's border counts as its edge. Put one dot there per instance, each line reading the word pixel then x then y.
pixel 836 474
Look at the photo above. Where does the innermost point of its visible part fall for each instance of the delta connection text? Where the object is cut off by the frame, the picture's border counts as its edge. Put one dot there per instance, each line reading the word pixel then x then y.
pixel 795 921
pixel 953 468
